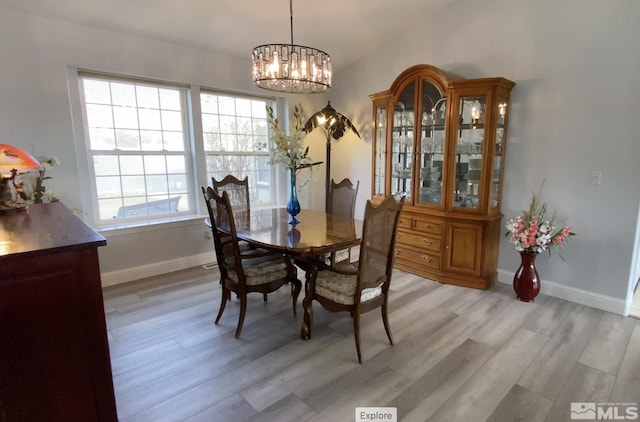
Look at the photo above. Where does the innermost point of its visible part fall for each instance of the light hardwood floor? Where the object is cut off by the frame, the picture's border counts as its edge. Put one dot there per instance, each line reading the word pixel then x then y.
pixel 459 355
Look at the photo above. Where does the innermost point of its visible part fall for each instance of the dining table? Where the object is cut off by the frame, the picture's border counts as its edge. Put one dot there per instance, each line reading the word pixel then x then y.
pixel 317 234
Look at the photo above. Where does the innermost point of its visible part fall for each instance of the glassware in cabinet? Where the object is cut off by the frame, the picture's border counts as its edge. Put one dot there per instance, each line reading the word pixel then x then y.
pixel 379 149
pixel 430 154
pixel 402 143
pixel 498 154
pixel 469 147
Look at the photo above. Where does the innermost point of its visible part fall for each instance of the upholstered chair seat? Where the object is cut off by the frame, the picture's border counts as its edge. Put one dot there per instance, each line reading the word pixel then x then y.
pixel 341 288
pixel 259 270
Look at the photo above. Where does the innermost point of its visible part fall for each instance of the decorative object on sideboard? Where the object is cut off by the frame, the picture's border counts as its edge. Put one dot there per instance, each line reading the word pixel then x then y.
pixel 291 68
pixel 31 188
pixel 334 125
pixel 289 151
pixel 532 233
pixel 13 161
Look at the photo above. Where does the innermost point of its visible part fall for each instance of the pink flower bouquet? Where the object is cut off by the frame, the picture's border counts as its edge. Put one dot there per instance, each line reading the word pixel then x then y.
pixel 531 232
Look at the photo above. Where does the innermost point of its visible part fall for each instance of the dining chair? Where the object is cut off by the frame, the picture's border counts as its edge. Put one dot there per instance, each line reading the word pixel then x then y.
pixel 237 189
pixel 249 270
pixel 342 201
pixel 362 286
pixel 342 197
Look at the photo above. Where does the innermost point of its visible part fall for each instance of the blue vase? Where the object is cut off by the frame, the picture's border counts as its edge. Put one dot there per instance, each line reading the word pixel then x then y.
pixel 293 207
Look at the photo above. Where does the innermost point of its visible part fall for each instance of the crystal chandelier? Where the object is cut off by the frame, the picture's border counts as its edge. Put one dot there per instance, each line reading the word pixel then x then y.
pixel 291 68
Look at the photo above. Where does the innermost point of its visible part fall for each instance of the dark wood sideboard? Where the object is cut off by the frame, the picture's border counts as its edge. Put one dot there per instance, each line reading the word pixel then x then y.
pixel 54 352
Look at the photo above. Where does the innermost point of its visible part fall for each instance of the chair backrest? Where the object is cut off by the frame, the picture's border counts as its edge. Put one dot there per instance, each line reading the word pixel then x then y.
pixel 342 197
pixel 238 191
pixel 378 243
pixel 223 228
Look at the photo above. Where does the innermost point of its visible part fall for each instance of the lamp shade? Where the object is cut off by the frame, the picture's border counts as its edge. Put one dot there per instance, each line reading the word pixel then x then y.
pixel 334 123
pixel 14 161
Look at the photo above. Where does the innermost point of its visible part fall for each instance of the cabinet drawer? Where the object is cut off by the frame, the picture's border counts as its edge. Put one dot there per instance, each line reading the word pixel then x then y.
pixel 428 226
pixel 416 258
pixel 425 242
pixel 404 221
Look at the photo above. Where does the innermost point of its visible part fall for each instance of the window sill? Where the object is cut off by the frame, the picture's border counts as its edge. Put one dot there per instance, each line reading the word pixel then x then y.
pixel 125 228
pixel 128 227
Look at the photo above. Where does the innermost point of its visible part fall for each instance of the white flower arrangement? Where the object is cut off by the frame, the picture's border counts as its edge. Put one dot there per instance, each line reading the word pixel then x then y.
pixel 288 150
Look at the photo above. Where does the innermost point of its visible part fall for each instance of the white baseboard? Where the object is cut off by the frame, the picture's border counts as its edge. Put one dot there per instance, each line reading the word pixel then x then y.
pixel 583 297
pixel 113 278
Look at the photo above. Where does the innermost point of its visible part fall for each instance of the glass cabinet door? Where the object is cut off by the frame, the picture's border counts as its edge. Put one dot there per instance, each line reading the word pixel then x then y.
pixel 380 150
pixel 432 145
pixel 499 153
pixel 469 151
pixel 402 143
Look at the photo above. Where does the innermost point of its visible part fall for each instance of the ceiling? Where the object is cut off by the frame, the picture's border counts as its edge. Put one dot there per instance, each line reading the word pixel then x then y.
pixel 346 29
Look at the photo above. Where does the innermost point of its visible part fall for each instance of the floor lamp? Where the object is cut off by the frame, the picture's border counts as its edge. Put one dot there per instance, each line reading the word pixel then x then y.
pixel 334 125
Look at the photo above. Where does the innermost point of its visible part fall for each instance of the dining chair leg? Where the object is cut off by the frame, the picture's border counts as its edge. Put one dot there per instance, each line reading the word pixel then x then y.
pixel 356 333
pixel 385 321
pixel 225 295
pixel 243 310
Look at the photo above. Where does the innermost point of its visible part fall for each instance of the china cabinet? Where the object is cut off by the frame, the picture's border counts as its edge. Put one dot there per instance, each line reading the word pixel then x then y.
pixel 439 140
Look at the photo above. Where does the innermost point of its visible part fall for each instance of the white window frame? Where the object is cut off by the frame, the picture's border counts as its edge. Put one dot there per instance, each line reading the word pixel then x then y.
pixel 142 155
pixel 253 134
pixel 196 161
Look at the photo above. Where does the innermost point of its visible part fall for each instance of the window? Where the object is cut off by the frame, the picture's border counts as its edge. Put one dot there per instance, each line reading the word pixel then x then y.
pixel 236 141
pixel 140 155
pixel 137 143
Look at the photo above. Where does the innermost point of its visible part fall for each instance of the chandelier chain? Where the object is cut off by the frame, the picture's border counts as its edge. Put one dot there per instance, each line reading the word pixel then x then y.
pixel 291 18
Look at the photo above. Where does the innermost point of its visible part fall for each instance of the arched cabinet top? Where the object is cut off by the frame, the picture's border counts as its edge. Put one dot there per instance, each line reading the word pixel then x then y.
pixel 439 78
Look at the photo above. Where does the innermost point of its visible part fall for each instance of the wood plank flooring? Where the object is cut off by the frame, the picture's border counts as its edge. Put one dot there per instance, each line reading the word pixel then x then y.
pixel 459 355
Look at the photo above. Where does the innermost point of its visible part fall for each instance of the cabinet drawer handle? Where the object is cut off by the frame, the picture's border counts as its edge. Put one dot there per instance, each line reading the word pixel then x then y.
pixel 428 242
pixel 426 258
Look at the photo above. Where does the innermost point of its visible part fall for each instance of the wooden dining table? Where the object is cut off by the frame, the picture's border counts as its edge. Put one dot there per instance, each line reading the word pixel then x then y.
pixel 317 234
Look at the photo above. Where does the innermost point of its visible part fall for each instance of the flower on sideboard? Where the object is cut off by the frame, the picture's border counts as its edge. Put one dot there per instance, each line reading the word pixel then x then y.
pixel 534 232
pixel 31 186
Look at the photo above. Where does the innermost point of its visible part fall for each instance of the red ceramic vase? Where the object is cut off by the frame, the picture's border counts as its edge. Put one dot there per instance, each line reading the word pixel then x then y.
pixel 526 281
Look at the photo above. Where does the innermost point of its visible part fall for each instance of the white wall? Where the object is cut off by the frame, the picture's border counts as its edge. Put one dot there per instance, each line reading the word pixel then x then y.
pixel 574 109
pixel 36 54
